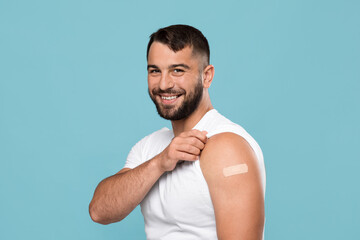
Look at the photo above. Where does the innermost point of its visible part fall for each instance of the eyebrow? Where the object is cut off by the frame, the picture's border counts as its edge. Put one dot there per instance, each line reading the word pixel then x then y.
pixel 152 66
pixel 171 66
pixel 179 65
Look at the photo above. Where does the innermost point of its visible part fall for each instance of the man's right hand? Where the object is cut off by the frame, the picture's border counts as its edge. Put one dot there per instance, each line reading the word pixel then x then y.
pixel 187 147
pixel 115 197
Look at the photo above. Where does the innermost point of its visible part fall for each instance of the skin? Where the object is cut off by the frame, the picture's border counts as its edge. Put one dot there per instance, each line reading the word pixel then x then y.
pixel 238 200
pixel 162 74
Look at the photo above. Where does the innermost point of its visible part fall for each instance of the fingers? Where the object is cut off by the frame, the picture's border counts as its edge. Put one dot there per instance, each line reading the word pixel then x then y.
pixel 194 138
pixel 189 144
pixel 193 141
pixel 187 148
pixel 187 156
pixel 201 135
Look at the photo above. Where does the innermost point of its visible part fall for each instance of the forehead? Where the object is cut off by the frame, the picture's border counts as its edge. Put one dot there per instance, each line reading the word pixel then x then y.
pixel 160 53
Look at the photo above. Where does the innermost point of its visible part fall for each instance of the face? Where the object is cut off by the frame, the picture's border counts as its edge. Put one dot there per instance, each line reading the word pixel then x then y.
pixel 174 80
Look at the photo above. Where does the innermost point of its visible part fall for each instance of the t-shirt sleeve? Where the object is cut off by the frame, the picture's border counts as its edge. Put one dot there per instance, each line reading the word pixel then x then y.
pixel 135 157
pixel 147 148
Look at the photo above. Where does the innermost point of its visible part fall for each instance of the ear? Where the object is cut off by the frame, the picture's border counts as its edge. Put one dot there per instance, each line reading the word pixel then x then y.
pixel 208 75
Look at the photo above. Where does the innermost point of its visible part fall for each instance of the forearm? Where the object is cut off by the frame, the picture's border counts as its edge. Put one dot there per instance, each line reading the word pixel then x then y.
pixel 116 196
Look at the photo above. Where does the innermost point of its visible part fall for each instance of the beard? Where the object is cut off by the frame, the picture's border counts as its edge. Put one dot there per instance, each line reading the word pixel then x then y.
pixel 187 107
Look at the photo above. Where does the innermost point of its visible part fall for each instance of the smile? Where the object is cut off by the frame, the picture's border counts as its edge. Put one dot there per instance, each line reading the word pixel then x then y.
pixel 169 97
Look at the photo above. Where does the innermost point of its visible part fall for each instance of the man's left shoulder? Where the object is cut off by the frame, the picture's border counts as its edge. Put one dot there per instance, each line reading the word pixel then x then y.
pixel 228 151
pixel 229 146
pixel 234 178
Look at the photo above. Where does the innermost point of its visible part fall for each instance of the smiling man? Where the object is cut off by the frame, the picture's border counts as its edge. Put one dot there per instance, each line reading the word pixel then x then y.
pixel 204 178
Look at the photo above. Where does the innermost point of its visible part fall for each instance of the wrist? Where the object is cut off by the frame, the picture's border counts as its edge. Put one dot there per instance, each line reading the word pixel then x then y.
pixel 157 164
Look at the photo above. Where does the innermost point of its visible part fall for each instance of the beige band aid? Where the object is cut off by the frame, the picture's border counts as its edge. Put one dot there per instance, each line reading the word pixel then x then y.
pixel 236 169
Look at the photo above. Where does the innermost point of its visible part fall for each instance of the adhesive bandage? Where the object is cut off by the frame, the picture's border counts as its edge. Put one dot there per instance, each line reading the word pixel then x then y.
pixel 236 169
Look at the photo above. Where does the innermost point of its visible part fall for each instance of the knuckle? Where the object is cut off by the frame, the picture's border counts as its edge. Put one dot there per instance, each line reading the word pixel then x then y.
pixel 195 132
pixel 203 138
pixel 188 148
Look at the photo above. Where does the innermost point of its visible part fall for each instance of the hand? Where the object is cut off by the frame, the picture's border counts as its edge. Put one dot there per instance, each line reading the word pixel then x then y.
pixel 187 147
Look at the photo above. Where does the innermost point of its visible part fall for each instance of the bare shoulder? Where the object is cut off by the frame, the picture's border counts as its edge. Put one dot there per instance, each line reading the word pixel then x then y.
pixel 233 176
pixel 226 150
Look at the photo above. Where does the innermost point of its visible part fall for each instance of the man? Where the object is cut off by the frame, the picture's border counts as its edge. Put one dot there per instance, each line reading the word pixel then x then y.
pixel 205 178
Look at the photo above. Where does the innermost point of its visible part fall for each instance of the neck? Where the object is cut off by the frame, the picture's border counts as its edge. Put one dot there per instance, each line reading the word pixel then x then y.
pixel 189 122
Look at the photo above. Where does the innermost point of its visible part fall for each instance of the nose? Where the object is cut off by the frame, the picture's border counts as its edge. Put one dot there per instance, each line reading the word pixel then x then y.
pixel 166 82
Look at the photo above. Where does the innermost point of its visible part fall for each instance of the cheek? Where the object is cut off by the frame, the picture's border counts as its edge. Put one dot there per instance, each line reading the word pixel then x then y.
pixel 184 81
pixel 189 83
pixel 151 82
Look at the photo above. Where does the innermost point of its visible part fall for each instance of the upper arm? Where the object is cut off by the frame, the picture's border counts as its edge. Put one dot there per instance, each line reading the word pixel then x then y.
pixel 238 200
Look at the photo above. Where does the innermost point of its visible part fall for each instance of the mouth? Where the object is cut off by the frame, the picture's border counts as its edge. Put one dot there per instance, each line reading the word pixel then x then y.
pixel 169 98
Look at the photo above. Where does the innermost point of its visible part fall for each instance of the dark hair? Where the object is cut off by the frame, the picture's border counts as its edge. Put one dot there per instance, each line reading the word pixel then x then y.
pixel 177 37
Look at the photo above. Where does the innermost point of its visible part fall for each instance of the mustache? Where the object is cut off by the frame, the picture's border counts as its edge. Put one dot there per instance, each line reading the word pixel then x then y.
pixel 157 91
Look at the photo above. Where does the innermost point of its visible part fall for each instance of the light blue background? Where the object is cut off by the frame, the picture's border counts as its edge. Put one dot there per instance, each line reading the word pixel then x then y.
pixel 73 100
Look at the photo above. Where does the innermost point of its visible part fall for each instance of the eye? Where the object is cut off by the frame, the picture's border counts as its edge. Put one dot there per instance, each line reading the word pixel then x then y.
pixel 178 70
pixel 154 71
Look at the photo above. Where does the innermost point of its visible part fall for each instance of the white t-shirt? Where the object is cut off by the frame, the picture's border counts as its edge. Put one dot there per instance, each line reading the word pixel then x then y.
pixel 179 207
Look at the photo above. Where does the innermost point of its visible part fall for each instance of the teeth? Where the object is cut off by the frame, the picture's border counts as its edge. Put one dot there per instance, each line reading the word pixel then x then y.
pixel 168 98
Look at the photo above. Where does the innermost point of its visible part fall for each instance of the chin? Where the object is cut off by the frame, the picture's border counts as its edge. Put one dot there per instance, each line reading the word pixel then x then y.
pixel 169 113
